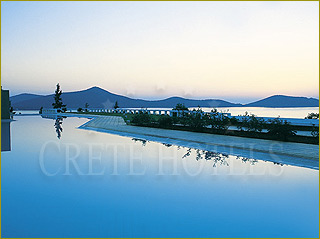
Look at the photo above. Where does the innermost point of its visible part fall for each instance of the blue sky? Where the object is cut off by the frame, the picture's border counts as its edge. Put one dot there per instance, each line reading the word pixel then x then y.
pixel 237 51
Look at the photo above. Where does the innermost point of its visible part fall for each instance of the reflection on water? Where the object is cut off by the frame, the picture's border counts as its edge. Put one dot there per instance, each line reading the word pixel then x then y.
pixel 249 160
pixel 58 126
pixel 131 189
pixel 200 154
pixel 220 158
pixel 208 155
pixel 167 145
pixel 5 136
pixel 143 141
pixel 57 123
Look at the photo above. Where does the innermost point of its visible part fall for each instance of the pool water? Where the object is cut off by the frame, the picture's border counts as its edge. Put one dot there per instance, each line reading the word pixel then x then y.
pixel 92 184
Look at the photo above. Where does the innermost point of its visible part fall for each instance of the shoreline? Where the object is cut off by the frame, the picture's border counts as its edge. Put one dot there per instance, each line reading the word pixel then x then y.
pixel 300 137
pixel 296 154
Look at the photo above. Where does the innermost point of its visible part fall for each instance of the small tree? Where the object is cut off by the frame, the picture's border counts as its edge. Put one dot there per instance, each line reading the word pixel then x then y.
pixel 180 107
pixel 244 122
pixel 256 124
pixel 40 111
pixel 182 116
pixel 251 123
pixel 312 116
pixel 218 121
pixel 196 119
pixel 280 129
pixel 57 99
pixel 116 106
pixel 142 119
pixel 11 108
pixel 79 110
pixel 165 121
pixel 86 106
pixel 315 131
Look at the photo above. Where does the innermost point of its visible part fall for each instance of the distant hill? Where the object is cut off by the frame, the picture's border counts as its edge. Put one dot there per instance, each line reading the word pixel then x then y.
pixel 282 101
pixel 22 97
pixel 100 98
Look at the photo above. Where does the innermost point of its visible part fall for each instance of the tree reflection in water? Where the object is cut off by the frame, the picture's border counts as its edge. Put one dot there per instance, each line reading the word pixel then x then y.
pixel 207 155
pixel 58 126
pixel 143 141
pixel 167 145
pixel 247 160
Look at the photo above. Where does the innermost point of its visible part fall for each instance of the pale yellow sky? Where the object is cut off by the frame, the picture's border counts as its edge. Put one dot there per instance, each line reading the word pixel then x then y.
pixel 228 50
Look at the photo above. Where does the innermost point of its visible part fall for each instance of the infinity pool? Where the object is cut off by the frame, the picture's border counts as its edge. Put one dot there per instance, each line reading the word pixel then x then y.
pixel 80 183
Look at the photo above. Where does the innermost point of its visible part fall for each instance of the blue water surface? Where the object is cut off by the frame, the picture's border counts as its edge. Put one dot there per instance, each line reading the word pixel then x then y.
pixel 81 183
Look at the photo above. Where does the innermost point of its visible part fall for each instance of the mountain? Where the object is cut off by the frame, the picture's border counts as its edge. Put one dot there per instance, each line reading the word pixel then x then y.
pixel 22 97
pixel 283 101
pixel 100 98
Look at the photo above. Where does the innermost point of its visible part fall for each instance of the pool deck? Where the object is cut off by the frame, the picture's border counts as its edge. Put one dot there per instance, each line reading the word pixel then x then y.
pixel 298 154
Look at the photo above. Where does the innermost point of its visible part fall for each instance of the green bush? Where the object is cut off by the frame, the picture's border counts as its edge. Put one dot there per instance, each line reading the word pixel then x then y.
pixel 183 118
pixel 315 131
pixel 251 123
pixel 234 121
pixel 165 121
pixel 218 121
pixel 244 122
pixel 180 115
pixel 142 119
pixel 196 119
pixel 279 129
pixel 256 124
pixel 180 107
pixel 312 116
pixel 80 110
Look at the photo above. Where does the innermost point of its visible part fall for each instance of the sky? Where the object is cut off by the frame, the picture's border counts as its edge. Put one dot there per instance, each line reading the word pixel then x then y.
pixel 236 51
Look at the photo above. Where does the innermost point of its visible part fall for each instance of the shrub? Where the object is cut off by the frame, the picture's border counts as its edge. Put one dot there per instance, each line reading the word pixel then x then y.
pixel 244 122
pixel 40 110
pixel 255 124
pixel 315 131
pixel 86 106
pixel 142 119
pixel 182 112
pixel 279 129
pixel 11 110
pixel 116 106
pixel 196 119
pixel 251 123
pixel 180 107
pixel 165 121
pixel 312 116
pixel 234 121
pixel 80 110
pixel 218 121
pixel 182 119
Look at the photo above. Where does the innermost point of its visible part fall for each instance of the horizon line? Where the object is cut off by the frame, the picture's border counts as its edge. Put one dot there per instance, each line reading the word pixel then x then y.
pixel 260 98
